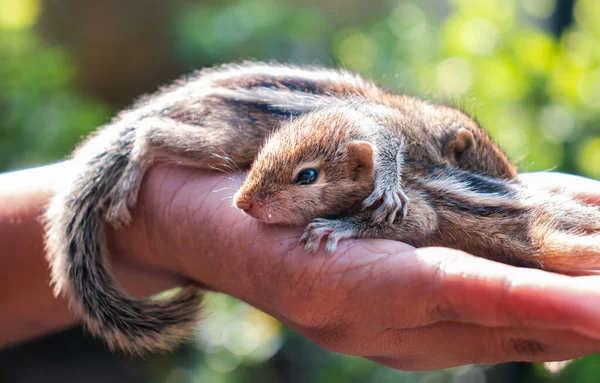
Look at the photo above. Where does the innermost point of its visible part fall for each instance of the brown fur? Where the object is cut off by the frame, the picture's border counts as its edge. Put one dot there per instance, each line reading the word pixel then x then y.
pixel 456 200
pixel 217 118
pixel 395 157
pixel 322 137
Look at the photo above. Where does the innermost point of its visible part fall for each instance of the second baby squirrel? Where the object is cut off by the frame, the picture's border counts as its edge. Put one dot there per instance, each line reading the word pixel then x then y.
pixel 325 147
pixel 320 170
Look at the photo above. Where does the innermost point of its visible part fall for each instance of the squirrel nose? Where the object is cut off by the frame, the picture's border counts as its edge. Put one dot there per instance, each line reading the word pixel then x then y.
pixel 243 203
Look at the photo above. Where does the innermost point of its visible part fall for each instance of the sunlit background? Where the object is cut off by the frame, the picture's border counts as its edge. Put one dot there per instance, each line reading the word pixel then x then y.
pixel 528 70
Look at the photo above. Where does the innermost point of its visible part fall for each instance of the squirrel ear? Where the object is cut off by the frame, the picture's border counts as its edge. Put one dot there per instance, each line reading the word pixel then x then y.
pixel 360 155
pixel 463 143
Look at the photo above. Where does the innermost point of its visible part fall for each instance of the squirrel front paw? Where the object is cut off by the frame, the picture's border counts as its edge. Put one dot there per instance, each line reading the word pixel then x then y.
pixel 393 202
pixel 334 229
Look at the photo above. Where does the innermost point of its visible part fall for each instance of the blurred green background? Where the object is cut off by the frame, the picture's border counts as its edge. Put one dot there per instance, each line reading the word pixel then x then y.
pixel 528 70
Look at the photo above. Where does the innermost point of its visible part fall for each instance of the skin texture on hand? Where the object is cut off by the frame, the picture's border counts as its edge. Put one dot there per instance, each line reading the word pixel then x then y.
pixel 412 309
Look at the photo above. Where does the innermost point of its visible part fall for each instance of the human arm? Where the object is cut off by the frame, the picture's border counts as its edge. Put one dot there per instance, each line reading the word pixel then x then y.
pixel 28 308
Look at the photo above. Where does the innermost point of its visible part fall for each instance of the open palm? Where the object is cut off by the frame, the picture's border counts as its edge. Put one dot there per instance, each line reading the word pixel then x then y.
pixel 407 308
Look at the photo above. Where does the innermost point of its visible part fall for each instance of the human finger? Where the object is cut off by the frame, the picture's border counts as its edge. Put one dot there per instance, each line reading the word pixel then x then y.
pixel 450 344
pixel 428 285
pixel 584 188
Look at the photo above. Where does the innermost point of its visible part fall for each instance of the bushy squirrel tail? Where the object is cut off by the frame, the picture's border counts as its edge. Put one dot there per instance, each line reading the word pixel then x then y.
pixel 79 264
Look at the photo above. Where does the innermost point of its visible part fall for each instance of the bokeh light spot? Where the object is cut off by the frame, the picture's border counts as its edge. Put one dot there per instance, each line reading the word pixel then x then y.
pixel 19 14
pixel 220 360
pixel 241 338
pixel 557 123
pixel 454 76
pixel 501 80
pixel 358 52
pixel 478 36
pixel 407 20
pixel 589 158
pixel 587 13
pixel 581 47
pixel 589 88
pixel 539 8
pixel 535 51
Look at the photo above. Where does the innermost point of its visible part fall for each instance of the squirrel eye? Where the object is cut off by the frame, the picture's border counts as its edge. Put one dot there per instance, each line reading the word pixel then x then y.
pixel 306 177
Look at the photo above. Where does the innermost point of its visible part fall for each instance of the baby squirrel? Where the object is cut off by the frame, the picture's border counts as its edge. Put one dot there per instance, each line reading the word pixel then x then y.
pixel 303 175
pixel 325 147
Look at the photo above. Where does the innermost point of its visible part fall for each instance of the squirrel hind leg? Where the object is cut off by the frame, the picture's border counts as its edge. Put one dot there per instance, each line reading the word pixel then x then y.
pixel 166 140
pixel 574 246
pixel 124 194
pixel 569 253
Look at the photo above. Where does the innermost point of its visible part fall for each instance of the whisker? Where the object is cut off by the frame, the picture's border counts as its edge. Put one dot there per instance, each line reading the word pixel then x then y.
pixel 223 157
pixel 223 189
pixel 221 170
pixel 231 164
pixel 233 178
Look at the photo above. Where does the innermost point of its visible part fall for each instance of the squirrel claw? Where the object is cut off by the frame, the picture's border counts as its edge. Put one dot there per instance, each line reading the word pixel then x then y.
pixel 394 202
pixel 310 240
pixel 404 207
pixel 334 230
pixel 374 197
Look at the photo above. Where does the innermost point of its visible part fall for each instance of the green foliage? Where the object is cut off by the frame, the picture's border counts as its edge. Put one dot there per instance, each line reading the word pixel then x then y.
pixel 43 116
pixel 538 95
pixel 585 370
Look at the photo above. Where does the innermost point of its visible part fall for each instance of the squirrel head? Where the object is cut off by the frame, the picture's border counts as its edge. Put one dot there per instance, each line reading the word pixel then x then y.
pixel 309 168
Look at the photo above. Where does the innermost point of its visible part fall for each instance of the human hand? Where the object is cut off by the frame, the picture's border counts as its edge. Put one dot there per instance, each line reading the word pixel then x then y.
pixel 585 189
pixel 406 308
